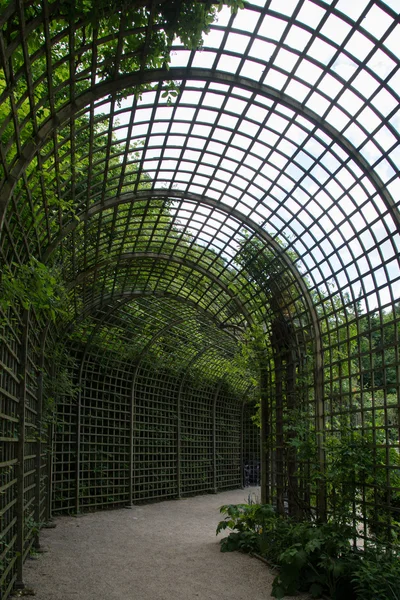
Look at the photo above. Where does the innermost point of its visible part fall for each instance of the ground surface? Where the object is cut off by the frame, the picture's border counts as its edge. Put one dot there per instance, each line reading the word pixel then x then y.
pixel 163 551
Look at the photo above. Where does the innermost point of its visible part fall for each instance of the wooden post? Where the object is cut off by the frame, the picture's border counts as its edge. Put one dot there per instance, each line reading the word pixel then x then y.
pixel 242 482
pixel 179 440
pixel 39 446
pixel 264 435
pixel 50 458
pixel 20 469
pixel 320 429
pixel 279 434
pixel 131 440
pixel 78 452
pixel 293 491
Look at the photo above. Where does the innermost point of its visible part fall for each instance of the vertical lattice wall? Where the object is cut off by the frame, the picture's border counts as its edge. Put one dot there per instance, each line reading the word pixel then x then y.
pixel 155 436
pixel 33 500
pixel 105 400
pixel 64 456
pixel 197 438
pixel 188 437
pixel 9 393
pixel 23 438
pixel 229 441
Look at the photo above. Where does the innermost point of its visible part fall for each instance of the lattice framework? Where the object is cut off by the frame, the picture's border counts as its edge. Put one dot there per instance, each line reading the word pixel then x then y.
pixel 266 192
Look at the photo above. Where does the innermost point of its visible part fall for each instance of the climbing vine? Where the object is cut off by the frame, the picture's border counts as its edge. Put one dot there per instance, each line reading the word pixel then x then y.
pixel 33 285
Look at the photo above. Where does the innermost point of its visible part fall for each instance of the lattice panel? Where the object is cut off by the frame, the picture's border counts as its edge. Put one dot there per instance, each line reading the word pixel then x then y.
pixel 155 470
pixel 177 426
pixel 9 433
pixel 361 414
pixel 104 435
pixel 64 452
pixel 228 427
pixel 197 439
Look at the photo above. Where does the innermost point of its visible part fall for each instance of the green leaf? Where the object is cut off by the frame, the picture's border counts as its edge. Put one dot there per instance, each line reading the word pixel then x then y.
pixel 316 590
pixel 278 590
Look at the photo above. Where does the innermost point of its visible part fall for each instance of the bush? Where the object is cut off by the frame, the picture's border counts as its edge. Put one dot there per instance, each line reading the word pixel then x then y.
pixel 316 558
pixel 376 576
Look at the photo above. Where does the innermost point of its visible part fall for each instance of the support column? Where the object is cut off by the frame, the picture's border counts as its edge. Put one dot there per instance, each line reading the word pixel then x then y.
pixel 242 446
pixel 264 434
pixel 50 458
pixel 20 468
pixel 279 435
pixel 39 446
pixel 293 491
pixel 320 429
pixel 131 440
pixel 179 441
pixel 78 450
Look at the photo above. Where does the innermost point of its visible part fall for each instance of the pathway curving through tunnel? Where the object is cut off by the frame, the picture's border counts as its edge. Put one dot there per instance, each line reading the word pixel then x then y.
pixel 159 551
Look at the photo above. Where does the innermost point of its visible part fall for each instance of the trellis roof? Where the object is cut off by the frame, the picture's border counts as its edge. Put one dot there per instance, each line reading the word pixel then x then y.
pixel 284 134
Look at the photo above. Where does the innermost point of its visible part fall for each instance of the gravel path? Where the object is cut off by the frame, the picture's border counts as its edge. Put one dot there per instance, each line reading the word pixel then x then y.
pixel 163 551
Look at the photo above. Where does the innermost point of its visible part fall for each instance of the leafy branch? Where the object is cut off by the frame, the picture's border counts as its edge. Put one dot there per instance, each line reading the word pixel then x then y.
pixel 33 285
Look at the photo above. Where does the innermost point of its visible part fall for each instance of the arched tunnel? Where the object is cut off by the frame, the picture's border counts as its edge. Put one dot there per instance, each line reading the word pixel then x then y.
pixel 200 258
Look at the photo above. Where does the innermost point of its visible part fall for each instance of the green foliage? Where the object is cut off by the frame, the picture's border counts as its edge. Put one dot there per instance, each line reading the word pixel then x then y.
pixel 319 558
pixel 377 575
pixel 185 19
pixel 272 285
pixel 355 471
pixel 356 468
pixel 58 381
pixel 349 467
pixel 245 541
pixel 379 331
pixel 251 349
pixel 243 517
pixel 33 285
